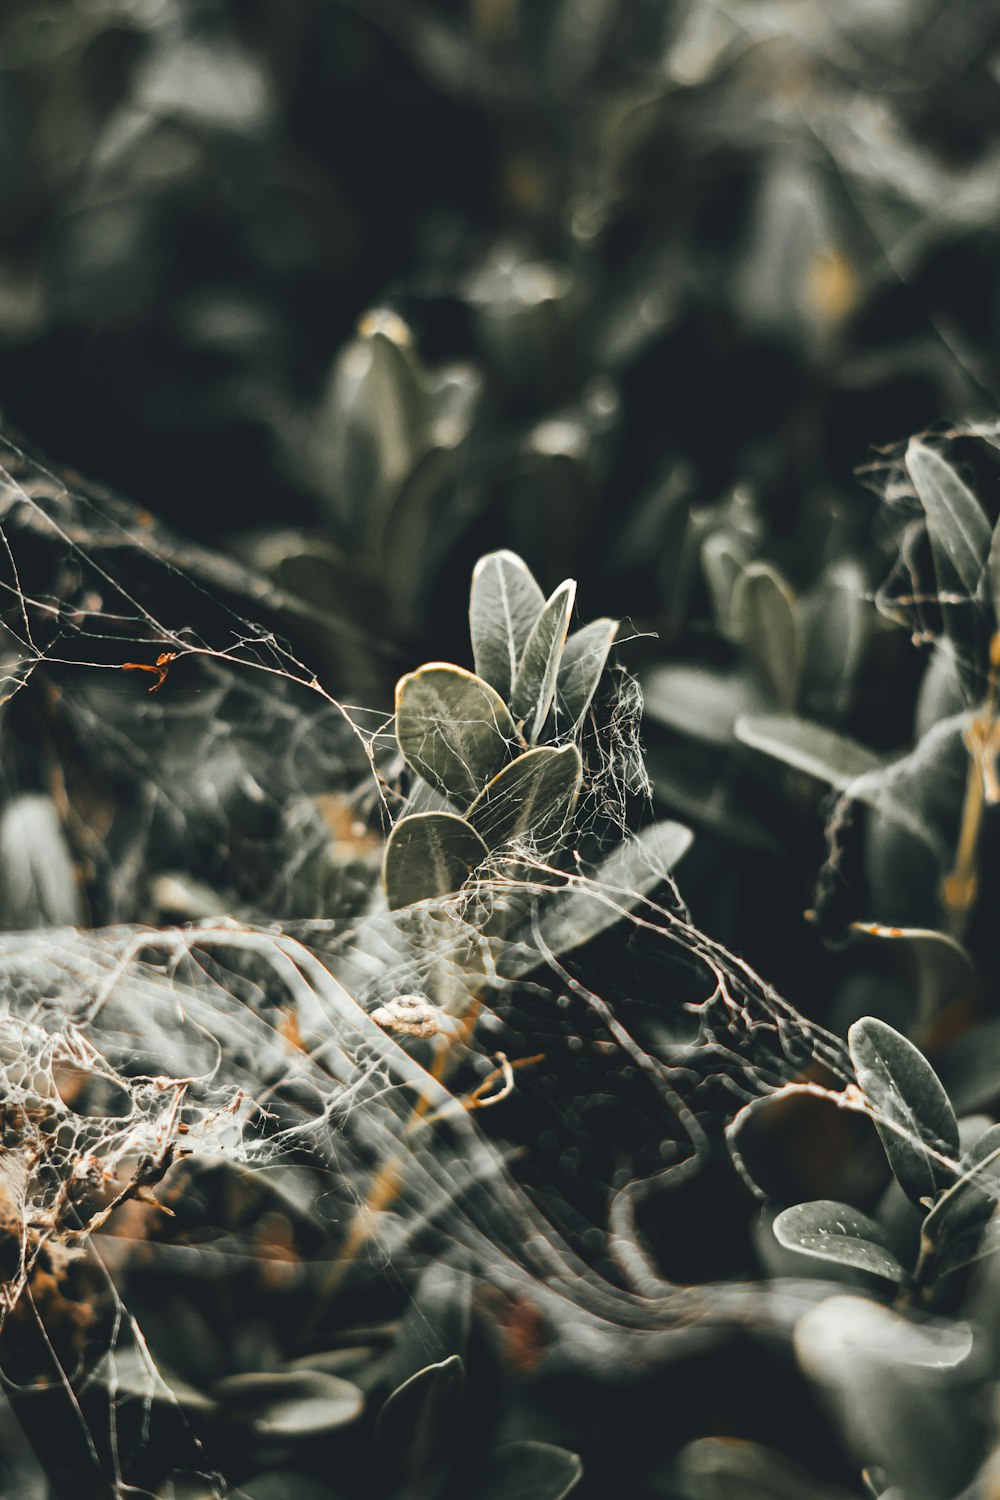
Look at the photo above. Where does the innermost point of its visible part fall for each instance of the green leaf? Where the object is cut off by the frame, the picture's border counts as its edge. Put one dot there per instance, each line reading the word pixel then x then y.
pixel 912 1110
pixel 429 854
pixel 530 797
pixel 538 667
pixel 958 1218
pixel 970 1243
pixel 583 662
pixel 585 909
pixel 291 1403
pixel 529 1471
pixel 701 701
pixel 958 529
pixel 837 1232
pixel 763 621
pixel 808 747
pixel 503 609
pixel 417 1422
pixel 453 728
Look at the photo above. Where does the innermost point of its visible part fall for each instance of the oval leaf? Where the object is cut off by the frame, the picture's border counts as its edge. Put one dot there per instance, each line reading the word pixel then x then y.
pixel 583 662
pixel 429 854
pixel 956 525
pixel 764 623
pixel 291 1403
pixel 503 609
pixel 529 1471
pixel 538 668
pixel 912 1110
pixel 837 1232
pixel 530 797
pixel 453 728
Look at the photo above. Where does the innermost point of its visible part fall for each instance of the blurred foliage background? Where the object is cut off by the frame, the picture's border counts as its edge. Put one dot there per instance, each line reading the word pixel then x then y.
pixel 653 292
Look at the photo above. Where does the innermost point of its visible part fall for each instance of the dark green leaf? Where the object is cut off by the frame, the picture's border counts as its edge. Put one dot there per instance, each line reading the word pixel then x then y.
pixel 958 529
pixel 958 1218
pixel 530 798
pixel 837 1232
pixel 911 1109
pixel 503 609
pixel 417 1422
pixel 538 668
pixel 429 854
pixel 454 729
pixel 529 1471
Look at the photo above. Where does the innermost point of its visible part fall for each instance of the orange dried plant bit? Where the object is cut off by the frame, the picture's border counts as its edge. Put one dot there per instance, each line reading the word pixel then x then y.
pixel 160 668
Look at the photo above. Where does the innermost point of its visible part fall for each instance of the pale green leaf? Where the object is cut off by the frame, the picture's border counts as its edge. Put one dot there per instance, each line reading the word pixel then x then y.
pixel 504 607
pixel 583 662
pixel 956 524
pixel 836 1232
pixel 804 746
pixel 530 797
pixel 538 668
pixel 912 1112
pixel 453 728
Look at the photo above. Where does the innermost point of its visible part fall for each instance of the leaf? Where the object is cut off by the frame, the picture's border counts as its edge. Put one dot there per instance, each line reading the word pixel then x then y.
pixel 585 909
pixel 529 1471
pixel 503 609
pixel 763 622
pixel 808 747
pixel 722 561
pixel 700 701
pixel 38 884
pixel 453 728
pixel 898 1389
pixel 993 571
pixel 910 1104
pixel 583 662
pixel 935 966
pixel 418 1419
pixel 735 1469
pixel 971 1243
pixel 429 854
pixel 538 667
pixel 956 525
pixel 529 797
pixel 291 1403
pixel 836 1232
pixel 958 1218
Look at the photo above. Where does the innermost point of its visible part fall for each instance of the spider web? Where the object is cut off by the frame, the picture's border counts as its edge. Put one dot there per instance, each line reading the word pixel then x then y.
pixel 199 1084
